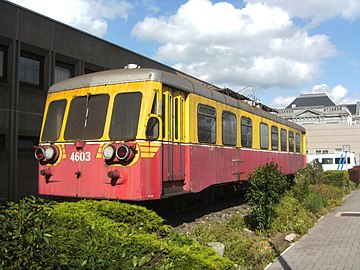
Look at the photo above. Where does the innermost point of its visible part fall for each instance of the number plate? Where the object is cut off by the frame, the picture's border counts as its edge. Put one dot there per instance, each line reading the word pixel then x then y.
pixel 80 156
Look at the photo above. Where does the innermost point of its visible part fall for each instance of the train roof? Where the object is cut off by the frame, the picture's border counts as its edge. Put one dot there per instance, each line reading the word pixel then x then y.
pixel 176 80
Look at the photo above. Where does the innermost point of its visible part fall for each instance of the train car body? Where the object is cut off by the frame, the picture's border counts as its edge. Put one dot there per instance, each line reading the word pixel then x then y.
pixel 145 134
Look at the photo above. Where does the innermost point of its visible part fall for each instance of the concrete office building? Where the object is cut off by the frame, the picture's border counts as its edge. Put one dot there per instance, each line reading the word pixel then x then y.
pixel 35 52
pixel 329 127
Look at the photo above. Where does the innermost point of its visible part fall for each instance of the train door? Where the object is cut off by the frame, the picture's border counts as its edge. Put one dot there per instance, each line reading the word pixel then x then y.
pixel 173 134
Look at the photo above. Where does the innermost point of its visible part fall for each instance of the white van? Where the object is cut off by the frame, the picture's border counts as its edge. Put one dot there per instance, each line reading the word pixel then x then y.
pixel 340 161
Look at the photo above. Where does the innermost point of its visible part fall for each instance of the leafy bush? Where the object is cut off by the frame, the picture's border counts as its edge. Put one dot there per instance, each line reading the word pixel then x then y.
pixel 290 215
pixel 246 249
pixel 267 185
pixel 337 178
pixel 95 235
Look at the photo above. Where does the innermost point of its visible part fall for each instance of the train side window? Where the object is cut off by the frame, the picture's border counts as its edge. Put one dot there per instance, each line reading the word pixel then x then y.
pixel 53 121
pixel 176 116
pixel 291 141
pixel 298 143
pixel 163 115
pixel 264 136
pixel 154 105
pixel 229 128
pixel 283 140
pixel 246 132
pixel 206 124
pixel 274 138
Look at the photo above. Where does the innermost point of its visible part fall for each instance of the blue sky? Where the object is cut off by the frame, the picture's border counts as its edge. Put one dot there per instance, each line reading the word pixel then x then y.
pixel 282 48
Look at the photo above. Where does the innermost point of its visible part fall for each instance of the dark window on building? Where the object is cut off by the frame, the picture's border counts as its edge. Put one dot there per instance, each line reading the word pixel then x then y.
pixel 31 69
pixel 206 124
pixel 86 117
pixel 298 143
pixel 274 138
pixel 2 142
pixel 63 71
pixel 2 63
pixel 264 136
pixel 125 116
pixel 26 143
pixel 283 139
pixel 229 128
pixel 291 141
pixel 53 121
pixel 246 132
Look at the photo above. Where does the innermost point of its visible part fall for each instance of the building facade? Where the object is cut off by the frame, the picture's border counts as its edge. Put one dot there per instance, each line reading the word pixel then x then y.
pixel 330 128
pixel 35 52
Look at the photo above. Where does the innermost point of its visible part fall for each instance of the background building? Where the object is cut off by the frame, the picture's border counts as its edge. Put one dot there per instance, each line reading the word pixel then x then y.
pixel 329 127
pixel 35 52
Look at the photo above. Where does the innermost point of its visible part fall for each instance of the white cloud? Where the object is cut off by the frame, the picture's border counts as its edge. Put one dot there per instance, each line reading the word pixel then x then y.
pixel 88 15
pixel 232 47
pixel 281 102
pixel 316 10
pixel 338 94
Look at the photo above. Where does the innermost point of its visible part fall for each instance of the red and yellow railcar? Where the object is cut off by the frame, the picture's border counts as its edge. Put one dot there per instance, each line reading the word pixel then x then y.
pixel 145 134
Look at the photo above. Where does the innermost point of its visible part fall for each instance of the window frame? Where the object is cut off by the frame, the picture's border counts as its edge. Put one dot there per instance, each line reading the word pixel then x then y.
pixel 291 139
pixel 34 57
pixel 243 125
pixel 63 65
pixel 297 143
pixel 229 129
pixel 3 49
pixel 283 140
pixel 276 145
pixel 214 116
pixel 264 144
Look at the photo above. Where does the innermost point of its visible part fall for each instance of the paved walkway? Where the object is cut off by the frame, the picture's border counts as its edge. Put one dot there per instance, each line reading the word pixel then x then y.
pixel 334 243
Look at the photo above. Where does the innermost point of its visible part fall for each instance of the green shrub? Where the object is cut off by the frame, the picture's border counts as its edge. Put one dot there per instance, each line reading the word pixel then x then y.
pixel 95 235
pixel 315 202
pixel 290 215
pixel 337 178
pixel 267 185
pixel 246 249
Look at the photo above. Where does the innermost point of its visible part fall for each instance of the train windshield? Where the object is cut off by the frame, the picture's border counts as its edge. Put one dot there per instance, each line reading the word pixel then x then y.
pixel 54 119
pixel 125 116
pixel 86 119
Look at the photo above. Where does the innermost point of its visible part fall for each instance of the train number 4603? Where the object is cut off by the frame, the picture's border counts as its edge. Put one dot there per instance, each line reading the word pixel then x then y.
pixel 80 156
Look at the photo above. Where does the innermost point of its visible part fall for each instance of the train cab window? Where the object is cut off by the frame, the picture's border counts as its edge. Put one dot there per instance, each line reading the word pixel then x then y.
pixel 206 124
pixel 264 136
pixel 125 116
pixel 163 115
pixel 246 132
pixel 298 143
pixel 283 139
pixel 274 138
pixel 176 118
pixel 229 128
pixel 53 120
pixel 31 69
pixel 291 141
pixel 86 117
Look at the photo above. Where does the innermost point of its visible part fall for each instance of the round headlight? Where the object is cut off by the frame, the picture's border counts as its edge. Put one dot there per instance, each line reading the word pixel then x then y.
pixel 123 152
pixel 39 153
pixel 109 152
pixel 50 153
